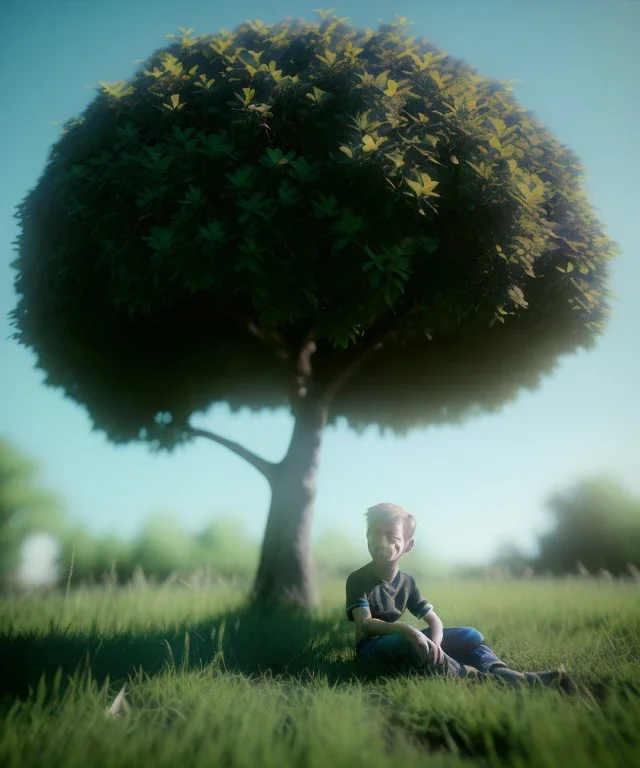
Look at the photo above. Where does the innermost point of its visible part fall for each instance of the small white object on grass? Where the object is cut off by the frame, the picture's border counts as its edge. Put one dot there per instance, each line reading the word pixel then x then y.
pixel 120 704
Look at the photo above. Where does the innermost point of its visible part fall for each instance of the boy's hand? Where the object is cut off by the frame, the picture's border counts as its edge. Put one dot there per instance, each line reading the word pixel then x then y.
pixel 426 649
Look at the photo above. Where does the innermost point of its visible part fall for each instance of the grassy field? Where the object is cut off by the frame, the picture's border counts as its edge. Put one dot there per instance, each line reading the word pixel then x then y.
pixel 211 685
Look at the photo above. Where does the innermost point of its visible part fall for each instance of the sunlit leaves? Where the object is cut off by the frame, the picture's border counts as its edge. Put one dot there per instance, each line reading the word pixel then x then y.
pixel 371 143
pixel 175 103
pixel 117 90
pixel 517 296
pixel 424 186
pixel 247 96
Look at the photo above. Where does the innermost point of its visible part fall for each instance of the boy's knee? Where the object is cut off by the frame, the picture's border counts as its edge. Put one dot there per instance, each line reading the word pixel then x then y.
pixel 474 636
pixel 407 653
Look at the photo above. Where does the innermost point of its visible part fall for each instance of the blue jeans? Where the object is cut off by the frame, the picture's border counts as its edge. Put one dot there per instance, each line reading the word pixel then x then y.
pixel 463 646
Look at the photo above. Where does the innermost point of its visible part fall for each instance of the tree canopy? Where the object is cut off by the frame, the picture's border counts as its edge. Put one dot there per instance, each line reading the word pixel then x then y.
pixel 248 191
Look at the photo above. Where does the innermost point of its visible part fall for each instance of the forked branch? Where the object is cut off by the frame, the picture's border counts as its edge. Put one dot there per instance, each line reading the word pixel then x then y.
pixel 272 339
pixel 262 465
pixel 375 346
pixel 345 375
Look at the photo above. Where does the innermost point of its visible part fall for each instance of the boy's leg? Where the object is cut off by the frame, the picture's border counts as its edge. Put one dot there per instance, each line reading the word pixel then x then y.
pixel 466 646
pixel 395 652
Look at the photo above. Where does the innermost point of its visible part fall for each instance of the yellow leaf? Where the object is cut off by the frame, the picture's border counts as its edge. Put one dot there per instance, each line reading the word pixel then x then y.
pixel 369 143
pixel 392 87
pixel 347 151
pixel 569 267
pixel 330 56
pixel 175 99
pixel 425 186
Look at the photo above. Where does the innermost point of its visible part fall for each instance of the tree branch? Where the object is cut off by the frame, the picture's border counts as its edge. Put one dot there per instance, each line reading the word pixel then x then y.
pixel 345 375
pixel 262 465
pixel 272 339
pixel 303 368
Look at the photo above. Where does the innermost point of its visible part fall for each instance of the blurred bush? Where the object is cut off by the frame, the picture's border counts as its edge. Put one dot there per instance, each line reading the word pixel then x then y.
pixel 26 507
pixel 595 530
pixel 596 524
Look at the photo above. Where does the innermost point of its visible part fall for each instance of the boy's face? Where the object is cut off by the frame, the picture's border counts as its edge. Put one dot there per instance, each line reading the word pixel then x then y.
pixel 386 541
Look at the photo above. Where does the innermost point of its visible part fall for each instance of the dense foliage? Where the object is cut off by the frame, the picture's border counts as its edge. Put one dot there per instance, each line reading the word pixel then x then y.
pixel 247 191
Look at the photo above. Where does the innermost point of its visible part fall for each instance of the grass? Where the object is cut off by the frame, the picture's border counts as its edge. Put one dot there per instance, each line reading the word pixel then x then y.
pixel 210 684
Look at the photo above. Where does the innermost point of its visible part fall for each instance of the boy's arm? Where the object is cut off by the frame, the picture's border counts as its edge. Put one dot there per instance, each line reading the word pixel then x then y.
pixel 435 625
pixel 421 608
pixel 371 627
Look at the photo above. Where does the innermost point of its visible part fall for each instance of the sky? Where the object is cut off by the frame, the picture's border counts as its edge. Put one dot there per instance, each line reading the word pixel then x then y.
pixel 471 487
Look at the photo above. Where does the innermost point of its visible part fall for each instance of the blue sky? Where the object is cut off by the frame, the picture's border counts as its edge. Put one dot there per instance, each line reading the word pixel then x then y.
pixel 472 487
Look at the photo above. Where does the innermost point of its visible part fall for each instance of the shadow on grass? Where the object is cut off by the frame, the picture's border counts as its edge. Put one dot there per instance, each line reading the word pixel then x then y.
pixel 282 643
pixel 285 642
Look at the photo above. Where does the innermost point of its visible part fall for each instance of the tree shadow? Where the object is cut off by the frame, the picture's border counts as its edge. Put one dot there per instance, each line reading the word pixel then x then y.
pixel 283 642
pixel 280 643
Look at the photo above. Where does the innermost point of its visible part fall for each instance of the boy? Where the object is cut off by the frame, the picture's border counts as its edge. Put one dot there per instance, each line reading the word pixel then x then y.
pixel 377 595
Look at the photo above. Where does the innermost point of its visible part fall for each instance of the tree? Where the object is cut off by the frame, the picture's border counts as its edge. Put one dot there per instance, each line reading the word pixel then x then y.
pixel 25 507
pixel 595 523
pixel 163 546
pixel 510 558
pixel 347 223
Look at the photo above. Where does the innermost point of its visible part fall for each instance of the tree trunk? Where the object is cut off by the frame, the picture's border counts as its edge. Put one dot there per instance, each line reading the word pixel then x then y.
pixel 285 572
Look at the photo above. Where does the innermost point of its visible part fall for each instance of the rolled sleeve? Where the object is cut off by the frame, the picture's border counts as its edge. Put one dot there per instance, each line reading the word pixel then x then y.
pixel 356 598
pixel 418 605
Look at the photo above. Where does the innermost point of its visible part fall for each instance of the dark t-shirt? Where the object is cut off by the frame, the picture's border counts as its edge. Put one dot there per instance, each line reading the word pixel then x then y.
pixel 386 601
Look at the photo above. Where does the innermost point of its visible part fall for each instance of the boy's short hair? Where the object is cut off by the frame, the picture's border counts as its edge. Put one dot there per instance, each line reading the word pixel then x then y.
pixel 387 512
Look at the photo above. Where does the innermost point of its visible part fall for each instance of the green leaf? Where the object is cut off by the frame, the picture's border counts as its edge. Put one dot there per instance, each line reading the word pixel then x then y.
pixel 193 197
pixel 430 244
pixel 213 232
pixel 276 158
pixel 241 179
pixel 288 195
pixel 161 239
pixel 348 223
pixel 325 205
pixel 339 245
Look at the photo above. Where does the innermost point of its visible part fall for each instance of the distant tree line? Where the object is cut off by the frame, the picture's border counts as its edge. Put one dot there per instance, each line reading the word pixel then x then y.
pixel 163 548
pixel 595 526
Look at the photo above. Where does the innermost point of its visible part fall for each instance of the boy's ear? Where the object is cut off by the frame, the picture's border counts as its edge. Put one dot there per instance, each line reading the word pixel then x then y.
pixel 409 547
